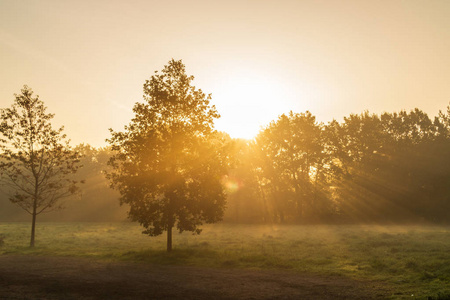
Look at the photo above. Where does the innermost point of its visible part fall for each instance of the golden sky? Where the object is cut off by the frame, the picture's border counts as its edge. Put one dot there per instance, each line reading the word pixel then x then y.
pixel 88 59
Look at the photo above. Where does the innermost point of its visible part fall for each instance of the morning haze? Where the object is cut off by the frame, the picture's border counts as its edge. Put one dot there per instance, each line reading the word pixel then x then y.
pixel 307 159
pixel 259 59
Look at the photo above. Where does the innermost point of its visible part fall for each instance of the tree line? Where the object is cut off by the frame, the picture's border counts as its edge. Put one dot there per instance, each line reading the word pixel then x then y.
pixel 393 167
pixel 172 170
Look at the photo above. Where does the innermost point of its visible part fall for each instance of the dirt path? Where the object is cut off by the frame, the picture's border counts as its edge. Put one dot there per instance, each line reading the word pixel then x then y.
pixel 45 277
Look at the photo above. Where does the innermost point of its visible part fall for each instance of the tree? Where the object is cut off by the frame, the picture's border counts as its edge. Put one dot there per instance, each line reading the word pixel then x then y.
pixel 167 165
pixel 393 167
pixel 35 160
pixel 292 160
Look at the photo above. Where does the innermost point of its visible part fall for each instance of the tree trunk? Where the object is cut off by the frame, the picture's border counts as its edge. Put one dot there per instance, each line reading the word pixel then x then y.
pixel 35 200
pixel 169 239
pixel 299 200
pixel 33 226
pixel 281 217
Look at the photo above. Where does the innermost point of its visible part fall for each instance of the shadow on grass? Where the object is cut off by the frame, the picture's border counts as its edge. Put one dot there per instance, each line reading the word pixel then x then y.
pixel 440 297
pixel 183 256
pixel 199 255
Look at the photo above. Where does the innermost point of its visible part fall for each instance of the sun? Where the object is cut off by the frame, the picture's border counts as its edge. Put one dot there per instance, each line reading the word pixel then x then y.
pixel 248 101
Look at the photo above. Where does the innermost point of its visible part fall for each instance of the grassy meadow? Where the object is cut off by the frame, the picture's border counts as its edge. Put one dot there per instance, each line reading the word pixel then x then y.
pixel 410 261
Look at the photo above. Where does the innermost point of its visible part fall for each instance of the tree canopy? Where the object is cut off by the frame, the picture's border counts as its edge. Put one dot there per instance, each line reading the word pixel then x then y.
pixel 393 167
pixel 167 164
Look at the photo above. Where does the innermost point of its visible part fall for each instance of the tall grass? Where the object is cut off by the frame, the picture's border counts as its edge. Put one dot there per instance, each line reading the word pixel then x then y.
pixel 411 260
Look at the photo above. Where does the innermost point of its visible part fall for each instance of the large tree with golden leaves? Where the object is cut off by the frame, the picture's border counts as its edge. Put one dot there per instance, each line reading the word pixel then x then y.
pixel 167 164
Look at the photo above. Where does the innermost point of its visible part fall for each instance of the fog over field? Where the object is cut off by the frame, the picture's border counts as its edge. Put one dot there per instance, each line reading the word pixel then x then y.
pixel 224 150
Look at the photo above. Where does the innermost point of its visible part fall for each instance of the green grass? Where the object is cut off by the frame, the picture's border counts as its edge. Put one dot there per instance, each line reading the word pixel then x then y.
pixel 408 260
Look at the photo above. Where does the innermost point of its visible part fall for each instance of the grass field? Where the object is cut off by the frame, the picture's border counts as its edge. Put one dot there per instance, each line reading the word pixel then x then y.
pixel 412 261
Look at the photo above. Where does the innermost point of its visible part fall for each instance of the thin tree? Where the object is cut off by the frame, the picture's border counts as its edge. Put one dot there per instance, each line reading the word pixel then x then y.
pixel 36 162
pixel 167 165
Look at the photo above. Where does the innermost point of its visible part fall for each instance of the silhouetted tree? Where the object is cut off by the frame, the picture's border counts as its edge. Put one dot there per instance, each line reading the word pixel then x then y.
pixel 167 166
pixel 292 161
pixel 358 146
pixel 394 166
pixel 35 160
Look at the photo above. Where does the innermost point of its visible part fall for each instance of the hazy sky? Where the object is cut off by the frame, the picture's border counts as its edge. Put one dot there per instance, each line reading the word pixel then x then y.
pixel 88 59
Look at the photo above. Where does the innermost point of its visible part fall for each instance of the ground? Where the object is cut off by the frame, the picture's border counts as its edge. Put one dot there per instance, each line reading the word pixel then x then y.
pixel 49 277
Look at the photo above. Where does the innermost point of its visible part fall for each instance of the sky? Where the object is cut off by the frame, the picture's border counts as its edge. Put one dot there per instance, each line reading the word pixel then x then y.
pixel 88 60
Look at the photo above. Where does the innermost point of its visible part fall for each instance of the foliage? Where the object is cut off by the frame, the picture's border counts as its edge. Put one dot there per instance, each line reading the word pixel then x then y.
pixel 35 160
pixel 369 168
pixel 167 165
pixel 396 167
pixel 294 167
pixel 390 167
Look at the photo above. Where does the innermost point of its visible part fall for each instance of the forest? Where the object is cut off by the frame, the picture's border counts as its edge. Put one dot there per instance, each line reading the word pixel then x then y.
pixel 369 168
